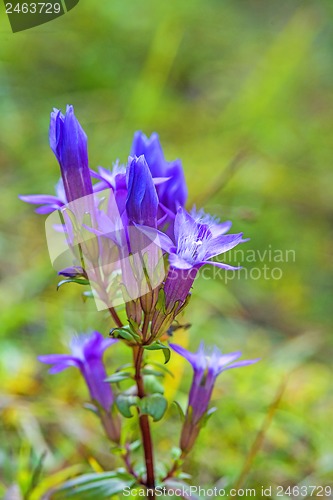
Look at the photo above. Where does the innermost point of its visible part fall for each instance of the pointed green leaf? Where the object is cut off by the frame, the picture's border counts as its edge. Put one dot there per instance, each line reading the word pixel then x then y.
pixel 176 453
pixel 135 445
pixel 206 416
pixel 160 305
pixel 161 367
pixel 150 371
pixel 92 486
pixel 118 377
pixel 125 333
pixel 180 410
pixel 73 280
pixel 156 346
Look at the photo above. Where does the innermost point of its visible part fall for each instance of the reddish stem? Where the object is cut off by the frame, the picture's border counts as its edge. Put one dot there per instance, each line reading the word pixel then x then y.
pixel 115 316
pixel 144 425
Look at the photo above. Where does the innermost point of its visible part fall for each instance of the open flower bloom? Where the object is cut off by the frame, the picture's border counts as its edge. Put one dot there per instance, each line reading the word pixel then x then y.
pixel 87 355
pixel 195 243
pixel 206 366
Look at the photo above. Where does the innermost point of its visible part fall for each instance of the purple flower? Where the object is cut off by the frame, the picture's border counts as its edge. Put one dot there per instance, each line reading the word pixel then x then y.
pixel 68 142
pixel 195 243
pixel 73 272
pixel 114 179
pixel 206 366
pixel 173 192
pixel 49 203
pixel 142 201
pixel 87 355
pixel 152 151
pixel 213 222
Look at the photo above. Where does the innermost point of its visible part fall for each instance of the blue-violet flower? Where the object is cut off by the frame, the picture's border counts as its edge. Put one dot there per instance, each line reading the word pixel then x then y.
pixel 206 366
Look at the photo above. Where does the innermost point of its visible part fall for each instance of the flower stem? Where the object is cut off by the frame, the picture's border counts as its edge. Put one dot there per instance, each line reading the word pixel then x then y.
pixel 115 317
pixel 128 463
pixel 175 467
pixel 144 424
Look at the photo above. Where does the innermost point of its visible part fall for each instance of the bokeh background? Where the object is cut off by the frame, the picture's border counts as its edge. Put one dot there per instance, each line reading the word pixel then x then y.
pixel 242 92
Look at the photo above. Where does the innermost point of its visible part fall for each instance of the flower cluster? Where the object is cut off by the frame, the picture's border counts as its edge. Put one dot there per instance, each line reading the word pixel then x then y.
pixel 126 222
pixel 131 237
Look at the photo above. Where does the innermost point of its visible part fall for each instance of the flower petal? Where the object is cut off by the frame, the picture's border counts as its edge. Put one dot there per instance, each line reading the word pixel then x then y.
pixel 152 151
pixel 179 263
pixel 190 356
pixel 160 239
pixel 218 229
pixel 142 200
pixel 40 199
pixel 160 180
pixel 225 359
pixel 54 359
pixel 61 367
pixel 47 209
pixel 239 364
pixel 222 244
pixel 221 265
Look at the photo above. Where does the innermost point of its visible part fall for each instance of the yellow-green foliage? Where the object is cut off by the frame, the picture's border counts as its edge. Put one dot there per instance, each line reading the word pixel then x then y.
pixel 242 92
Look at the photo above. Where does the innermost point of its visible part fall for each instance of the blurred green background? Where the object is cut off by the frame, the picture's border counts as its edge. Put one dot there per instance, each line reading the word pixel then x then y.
pixel 241 91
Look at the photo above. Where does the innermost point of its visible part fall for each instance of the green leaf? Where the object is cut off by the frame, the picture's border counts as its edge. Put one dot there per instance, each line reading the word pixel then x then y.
pixel 91 407
pixel 154 405
pixel 161 367
pixel 135 445
pixel 152 385
pixel 156 346
pixel 73 280
pixel 206 417
pixel 150 371
pixel 124 403
pixel 36 475
pixel 118 450
pixel 52 481
pixel 160 305
pixel 118 377
pixel 176 453
pixel 125 333
pixel 167 354
pixel 184 475
pixel 180 410
pixel 173 484
pixel 134 326
pixel 91 486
